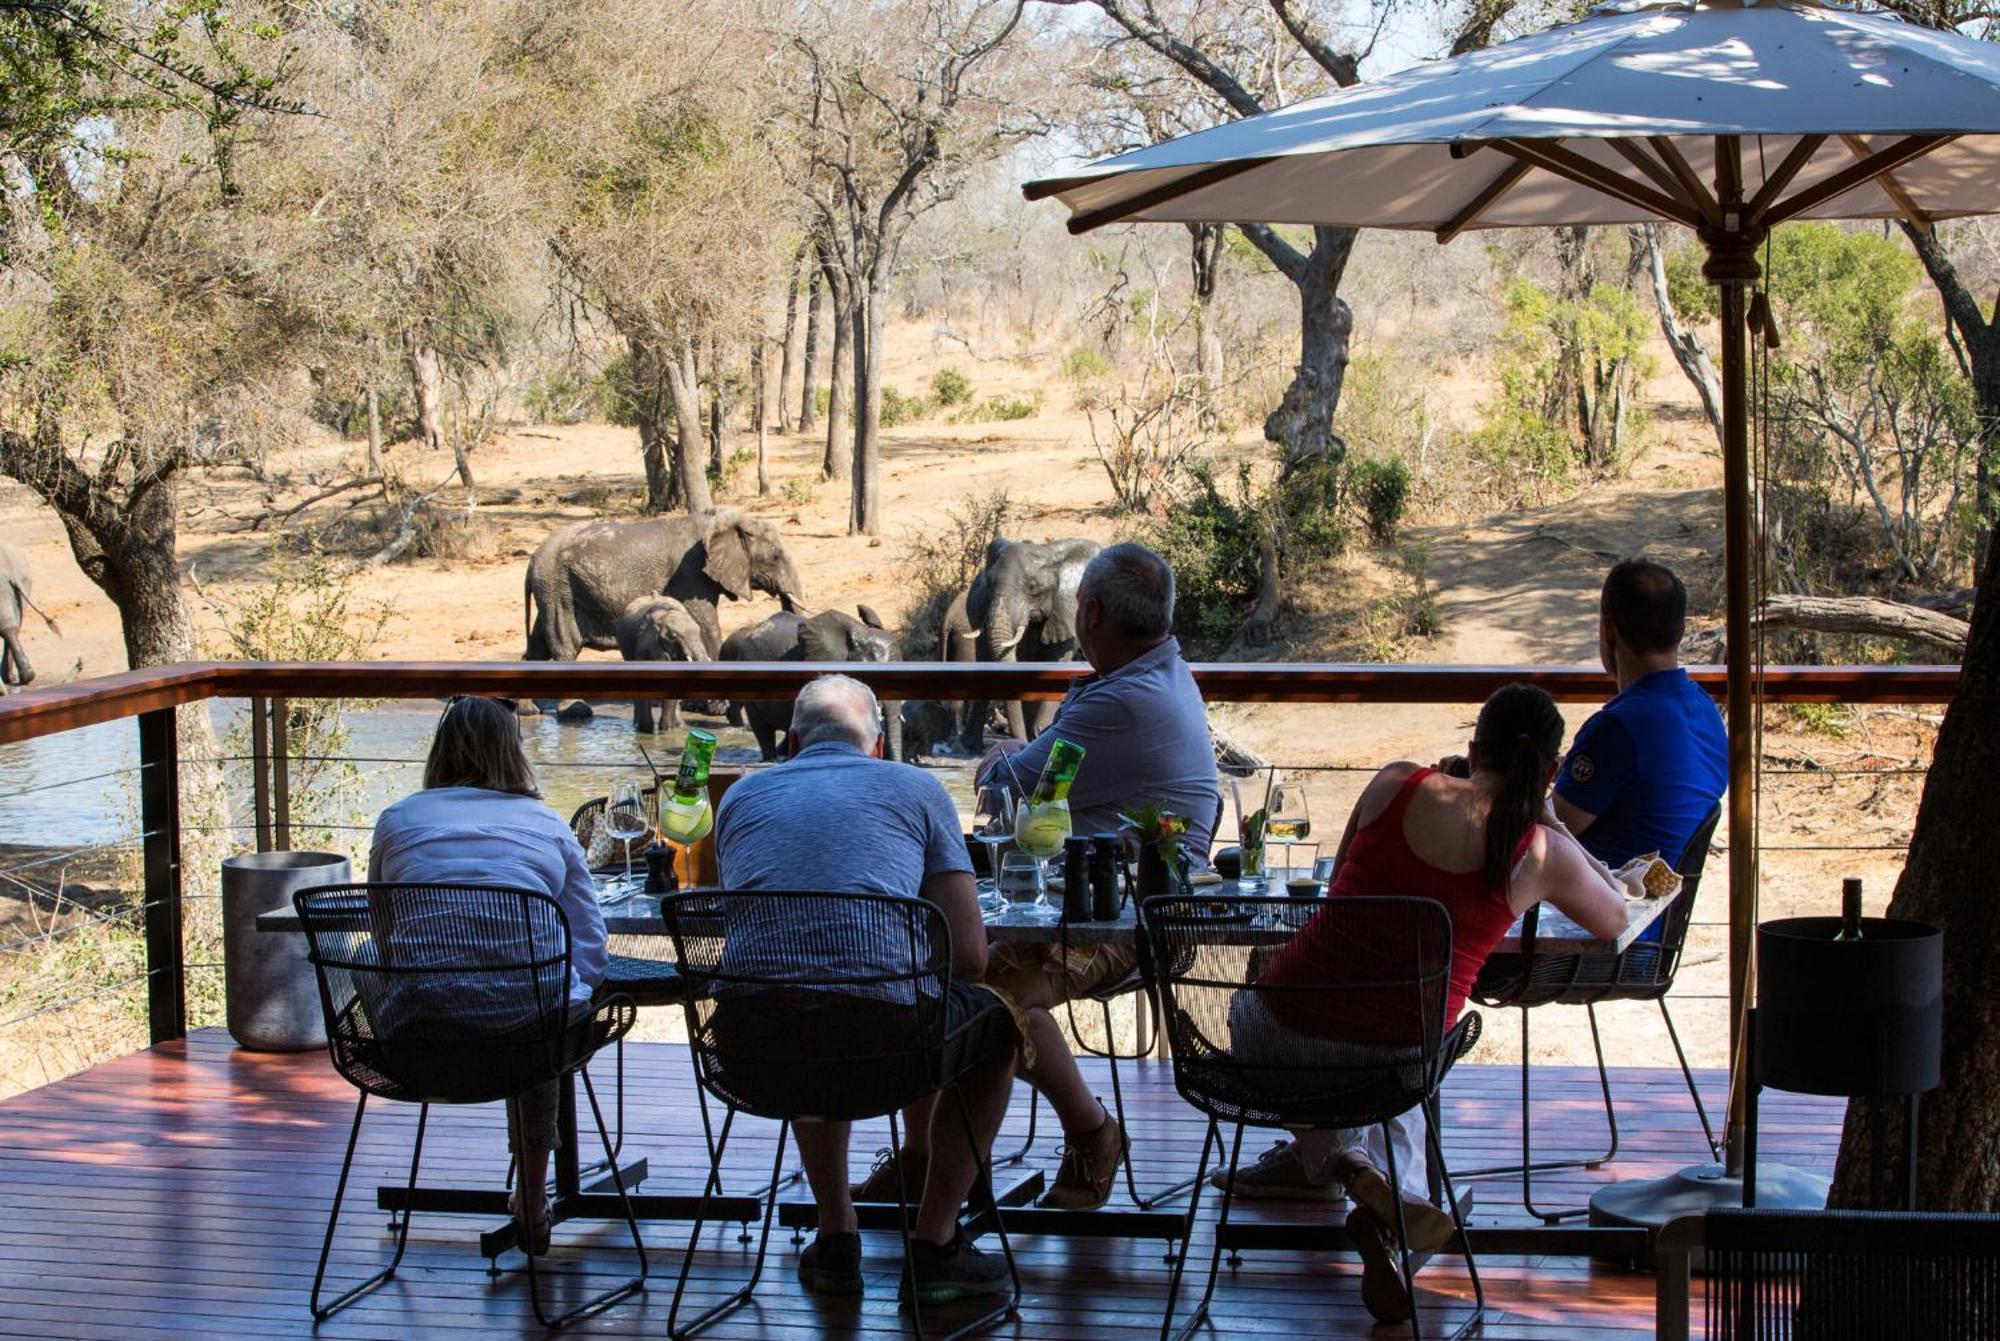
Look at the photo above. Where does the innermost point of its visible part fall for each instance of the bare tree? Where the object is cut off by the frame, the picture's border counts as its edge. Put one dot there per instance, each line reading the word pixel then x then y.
pixel 899 102
pixel 660 144
pixel 1242 58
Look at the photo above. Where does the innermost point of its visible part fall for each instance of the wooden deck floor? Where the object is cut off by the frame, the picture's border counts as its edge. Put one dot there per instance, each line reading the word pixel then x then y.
pixel 181 1192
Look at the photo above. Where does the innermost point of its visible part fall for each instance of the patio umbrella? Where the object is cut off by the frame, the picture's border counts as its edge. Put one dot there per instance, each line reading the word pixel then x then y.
pixel 1728 118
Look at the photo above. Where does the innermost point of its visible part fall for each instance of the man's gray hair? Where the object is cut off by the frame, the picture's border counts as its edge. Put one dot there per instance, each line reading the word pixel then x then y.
pixel 1136 588
pixel 836 707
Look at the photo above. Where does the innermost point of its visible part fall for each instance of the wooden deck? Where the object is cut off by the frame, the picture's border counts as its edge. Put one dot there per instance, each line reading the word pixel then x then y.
pixel 181 1192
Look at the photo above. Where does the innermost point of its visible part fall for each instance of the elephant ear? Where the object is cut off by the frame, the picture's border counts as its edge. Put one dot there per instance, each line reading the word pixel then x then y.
pixel 728 560
pixel 824 639
pixel 1060 625
pixel 870 618
pixel 681 626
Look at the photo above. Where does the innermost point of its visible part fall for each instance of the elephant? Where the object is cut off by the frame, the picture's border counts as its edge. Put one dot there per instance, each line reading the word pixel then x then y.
pixel 1020 607
pixel 16 599
pixel 831 635
pixel 582 578
pixel 927 723
pixel 659 628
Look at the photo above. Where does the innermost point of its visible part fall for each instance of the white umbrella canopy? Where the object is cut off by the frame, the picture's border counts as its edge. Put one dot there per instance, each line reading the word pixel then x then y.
pixel 1727 116
pixel 1621 112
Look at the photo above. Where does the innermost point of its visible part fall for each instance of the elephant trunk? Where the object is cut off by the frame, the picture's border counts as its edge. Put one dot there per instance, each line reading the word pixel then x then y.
pixel 892 726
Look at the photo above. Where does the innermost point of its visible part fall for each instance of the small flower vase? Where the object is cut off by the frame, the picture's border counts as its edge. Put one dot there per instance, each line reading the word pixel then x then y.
pixel 1155 876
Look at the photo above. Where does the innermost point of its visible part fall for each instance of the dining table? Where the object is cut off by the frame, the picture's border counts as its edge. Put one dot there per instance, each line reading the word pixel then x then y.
pixel 630 911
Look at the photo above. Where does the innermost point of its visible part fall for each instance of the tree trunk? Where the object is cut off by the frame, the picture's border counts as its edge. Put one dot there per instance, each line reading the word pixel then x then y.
pixel 374 433
pixel 865 515
pixel 1949 882
pixel 1867 616
pixel 650 399
pixel 1302 425
pixel 718 408
pixel 789 354
pixel 1688 350
pixel 809 365
pixel 685 386
pixel 841 302
pixel 1205 257
pixel 426 388
pixel 760 408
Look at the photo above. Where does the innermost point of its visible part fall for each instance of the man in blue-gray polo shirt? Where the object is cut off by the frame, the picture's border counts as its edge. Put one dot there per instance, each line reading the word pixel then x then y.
pixel 1144 732
pixel 1646 770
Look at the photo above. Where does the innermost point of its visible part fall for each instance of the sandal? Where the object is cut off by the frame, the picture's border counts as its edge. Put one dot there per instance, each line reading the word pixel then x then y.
pixel 532 1236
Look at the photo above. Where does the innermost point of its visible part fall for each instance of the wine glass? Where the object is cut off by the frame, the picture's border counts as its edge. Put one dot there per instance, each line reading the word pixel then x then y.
pixel 993 826
pixel 1039 830
pixel 1290 821
pixel 625 820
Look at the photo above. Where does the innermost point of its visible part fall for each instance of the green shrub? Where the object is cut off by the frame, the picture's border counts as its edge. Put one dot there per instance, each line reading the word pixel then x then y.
pixel 822 401
pixel 617 393
pixel 951 387
pixel 1003 408
pixel 899 409
pixel 1084 364
pixel 1382 490
pixel 799 490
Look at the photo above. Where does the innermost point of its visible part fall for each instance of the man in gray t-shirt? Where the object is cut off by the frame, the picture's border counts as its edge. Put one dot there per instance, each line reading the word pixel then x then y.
pixel 838 818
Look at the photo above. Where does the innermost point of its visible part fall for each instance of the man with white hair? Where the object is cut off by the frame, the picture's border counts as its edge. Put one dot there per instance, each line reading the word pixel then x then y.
pixel 838 818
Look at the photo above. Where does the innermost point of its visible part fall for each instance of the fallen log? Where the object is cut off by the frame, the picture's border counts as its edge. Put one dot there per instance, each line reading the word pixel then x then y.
pixel 1866 616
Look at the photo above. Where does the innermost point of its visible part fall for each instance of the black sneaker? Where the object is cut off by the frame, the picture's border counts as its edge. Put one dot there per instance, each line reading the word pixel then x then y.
pixel 831 1265
pixel 956 1270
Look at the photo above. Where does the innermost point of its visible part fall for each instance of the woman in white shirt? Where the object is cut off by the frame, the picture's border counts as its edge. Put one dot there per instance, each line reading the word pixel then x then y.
pixel 480 820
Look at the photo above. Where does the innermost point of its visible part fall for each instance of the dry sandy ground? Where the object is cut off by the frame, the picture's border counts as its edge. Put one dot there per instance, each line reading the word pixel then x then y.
pixel 1514 587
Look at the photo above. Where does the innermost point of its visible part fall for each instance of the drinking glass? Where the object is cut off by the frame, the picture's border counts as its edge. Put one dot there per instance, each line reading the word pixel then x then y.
pixel 1025 888
pixel 993 826
pixel 625 820
pixel 1290 821
pixel 1250 868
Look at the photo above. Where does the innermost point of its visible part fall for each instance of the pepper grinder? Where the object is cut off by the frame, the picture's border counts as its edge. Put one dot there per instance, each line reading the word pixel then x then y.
pixel 1076 878
pixel 1104 899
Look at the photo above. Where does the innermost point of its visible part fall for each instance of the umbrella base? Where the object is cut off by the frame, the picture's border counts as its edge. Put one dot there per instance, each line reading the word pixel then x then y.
pixel 1649 1203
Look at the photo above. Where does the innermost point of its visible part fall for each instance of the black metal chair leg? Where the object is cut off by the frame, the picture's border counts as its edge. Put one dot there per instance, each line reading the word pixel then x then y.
pixel 1211 1137
pixel 1435 1138
pixel 1028 1143
pixel 322 1313
pixel 1694 1091
pixel 1402 1229
pixel 709 1189
pixel 1139 1199
pixel 599 1302
pixel 984 1177
pixel 1529 1165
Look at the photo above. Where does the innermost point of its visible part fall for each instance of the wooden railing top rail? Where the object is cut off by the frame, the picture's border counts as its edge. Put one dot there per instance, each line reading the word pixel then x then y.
pixel 43 712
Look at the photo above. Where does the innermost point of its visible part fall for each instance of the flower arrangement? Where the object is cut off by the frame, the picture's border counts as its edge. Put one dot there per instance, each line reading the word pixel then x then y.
pixel 1159 829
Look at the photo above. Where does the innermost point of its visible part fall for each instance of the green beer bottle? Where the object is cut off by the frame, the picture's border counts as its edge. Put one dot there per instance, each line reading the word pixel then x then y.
pixel 1042 822
pixel 685 816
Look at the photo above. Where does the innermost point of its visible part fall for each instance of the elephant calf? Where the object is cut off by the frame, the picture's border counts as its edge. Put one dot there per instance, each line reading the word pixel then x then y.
pixel 16 599
pixel 831 635
pixel 659 628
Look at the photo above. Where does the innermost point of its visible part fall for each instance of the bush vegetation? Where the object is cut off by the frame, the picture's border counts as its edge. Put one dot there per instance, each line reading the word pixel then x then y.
pixel 939 562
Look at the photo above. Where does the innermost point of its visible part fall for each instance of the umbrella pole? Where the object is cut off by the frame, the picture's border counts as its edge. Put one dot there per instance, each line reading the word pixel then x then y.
pixel 1737 555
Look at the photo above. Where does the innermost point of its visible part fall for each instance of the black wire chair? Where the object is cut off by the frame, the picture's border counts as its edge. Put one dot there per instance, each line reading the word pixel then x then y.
pixel 777 1032
pixel 1834 1275
pixel 451 994
pixel 1644 971
pixel 1205 952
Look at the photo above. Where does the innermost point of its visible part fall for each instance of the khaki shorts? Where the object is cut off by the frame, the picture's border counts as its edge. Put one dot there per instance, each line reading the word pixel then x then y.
pixel 1072 972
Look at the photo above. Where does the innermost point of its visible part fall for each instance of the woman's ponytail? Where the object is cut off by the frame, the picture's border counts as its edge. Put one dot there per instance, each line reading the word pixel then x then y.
pixel 1519 735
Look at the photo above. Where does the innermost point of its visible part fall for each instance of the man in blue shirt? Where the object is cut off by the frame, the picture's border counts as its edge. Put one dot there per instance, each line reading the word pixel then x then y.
pixel 1646 770
pixel 840 818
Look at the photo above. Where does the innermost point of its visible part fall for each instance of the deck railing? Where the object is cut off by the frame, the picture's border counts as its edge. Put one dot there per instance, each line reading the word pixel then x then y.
pixel 149 697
